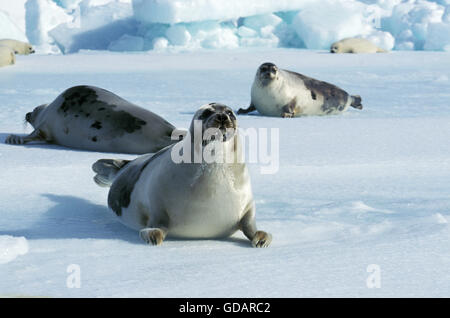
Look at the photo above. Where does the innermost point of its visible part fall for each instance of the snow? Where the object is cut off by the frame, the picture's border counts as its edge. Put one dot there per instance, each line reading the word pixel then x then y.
pixel 178 35
pixel 318 27
pixel 366 187
pixel 127 43
pixel 16 11
pixel 96 28
pixel 9 29
pixel 414 17
pixel 42 16
pixel 11 247
pixel 438 37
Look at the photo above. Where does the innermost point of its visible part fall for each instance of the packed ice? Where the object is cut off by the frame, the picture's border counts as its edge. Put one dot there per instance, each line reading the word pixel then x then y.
pixel 67 26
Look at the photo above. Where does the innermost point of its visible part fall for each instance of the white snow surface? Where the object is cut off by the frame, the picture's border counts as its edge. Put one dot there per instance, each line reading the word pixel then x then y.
pixel 16 10
pixel 67 26
pixel 9 29
pixel 365 187
pixel 11 247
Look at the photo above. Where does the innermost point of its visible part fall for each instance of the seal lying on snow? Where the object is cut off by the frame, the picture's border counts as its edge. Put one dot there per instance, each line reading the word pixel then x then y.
pixel 281 93
pixel 18 47
pixel 158 197
pixel 91 118
pixel 355 45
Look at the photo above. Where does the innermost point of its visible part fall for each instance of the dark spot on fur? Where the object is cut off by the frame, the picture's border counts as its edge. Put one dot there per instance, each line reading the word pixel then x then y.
pixel 144 219
pixel 97 125
pixel 120 193
pixel 333 96
pixel 313 95
pixel 84 100
pixel 94 139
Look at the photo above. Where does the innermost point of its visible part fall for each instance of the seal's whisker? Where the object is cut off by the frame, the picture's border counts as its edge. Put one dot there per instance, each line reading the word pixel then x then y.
pixel 25 124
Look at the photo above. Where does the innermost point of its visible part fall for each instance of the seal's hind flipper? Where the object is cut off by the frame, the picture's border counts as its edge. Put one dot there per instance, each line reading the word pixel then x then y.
pixel 356 102
pixel 107 170
pixel 246 111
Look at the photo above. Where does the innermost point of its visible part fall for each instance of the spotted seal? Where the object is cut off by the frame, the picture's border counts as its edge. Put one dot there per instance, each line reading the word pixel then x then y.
pixel 92 118
pixel 281 93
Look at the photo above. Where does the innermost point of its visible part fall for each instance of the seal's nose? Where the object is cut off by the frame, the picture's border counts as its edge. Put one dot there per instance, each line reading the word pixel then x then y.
pixel 221 117
pixel 28 117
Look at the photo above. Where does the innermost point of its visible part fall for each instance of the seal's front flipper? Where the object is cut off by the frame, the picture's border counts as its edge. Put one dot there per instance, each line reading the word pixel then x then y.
pixel 288 110
pixel 106 170
pixel 261 239
pixel 246 111
pixel 36 135
pixel 287 115
pixel 153 236
pixel 248 226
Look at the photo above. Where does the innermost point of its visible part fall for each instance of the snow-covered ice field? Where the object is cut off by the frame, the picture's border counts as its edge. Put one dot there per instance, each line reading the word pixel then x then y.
pixel 364 188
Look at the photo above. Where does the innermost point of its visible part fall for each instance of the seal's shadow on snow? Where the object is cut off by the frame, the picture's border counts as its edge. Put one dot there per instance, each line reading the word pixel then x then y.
pixel 251 114
pixel 35 144
pixel 76 218
pixel 46 145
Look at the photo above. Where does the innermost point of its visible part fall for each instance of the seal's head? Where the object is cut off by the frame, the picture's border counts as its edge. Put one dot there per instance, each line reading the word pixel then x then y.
pixel 216 120
pixel 267 72
pixel 29 49
pixel 335 47
pixel 32 116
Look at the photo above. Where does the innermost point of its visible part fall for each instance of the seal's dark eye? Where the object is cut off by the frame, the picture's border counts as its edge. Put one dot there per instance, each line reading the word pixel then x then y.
pixel 206 113
pixel 229 113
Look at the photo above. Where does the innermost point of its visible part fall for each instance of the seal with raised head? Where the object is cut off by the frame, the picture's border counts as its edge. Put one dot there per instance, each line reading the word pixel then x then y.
pixel 204 199
pixel 281 93
pixel 92 118
pixel 355 45
pixel 18 47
